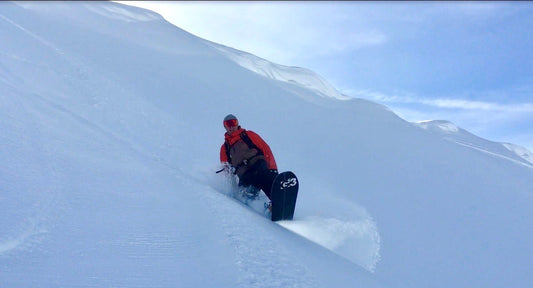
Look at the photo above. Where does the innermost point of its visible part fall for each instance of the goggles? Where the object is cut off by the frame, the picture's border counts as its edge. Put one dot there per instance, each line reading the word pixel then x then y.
pixel 231 123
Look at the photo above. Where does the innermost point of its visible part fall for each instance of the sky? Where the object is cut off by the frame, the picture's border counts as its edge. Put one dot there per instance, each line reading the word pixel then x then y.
pixel 470 63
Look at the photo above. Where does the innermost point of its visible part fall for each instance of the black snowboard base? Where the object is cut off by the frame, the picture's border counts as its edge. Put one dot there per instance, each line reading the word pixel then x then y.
pixel 283 196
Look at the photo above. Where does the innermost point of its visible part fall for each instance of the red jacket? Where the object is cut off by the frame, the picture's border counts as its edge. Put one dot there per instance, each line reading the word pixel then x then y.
pixel 256 139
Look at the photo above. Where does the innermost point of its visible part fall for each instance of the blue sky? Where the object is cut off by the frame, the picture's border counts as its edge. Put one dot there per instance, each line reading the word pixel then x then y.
pixel 467 62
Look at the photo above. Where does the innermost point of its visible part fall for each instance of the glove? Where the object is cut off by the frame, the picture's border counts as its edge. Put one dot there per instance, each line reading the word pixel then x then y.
pixel 228 168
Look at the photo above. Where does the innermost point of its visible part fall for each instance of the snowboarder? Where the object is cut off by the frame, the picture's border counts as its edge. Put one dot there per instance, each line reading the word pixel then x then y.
pixel 248 156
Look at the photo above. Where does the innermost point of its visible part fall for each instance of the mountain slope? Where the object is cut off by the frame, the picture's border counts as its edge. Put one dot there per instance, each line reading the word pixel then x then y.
pixel 111 129
pixel 294 75
pixel 451 132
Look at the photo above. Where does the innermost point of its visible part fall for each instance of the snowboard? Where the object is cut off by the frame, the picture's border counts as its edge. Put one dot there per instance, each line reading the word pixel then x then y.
pixel 283 196
pixel 254 198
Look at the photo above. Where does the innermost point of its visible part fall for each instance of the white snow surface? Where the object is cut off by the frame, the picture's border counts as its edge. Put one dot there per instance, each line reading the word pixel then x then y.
pixel 451 132
pixel 111 125
pixel 295 75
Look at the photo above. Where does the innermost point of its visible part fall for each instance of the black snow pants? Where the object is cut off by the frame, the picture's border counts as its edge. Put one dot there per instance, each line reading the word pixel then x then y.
pixel 259 176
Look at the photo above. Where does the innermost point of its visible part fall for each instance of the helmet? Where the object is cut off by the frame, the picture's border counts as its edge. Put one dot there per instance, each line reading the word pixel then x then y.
pixel 230 121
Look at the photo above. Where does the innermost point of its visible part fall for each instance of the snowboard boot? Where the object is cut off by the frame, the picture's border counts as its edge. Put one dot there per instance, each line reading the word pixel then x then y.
pixel 268 206
pixel 250 192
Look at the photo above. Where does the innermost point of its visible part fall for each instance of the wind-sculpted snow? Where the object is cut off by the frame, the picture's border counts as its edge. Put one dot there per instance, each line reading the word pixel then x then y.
pixel 295 75
pixel 108 10
pixel 520 151
pixel 110 138
pixel 123 14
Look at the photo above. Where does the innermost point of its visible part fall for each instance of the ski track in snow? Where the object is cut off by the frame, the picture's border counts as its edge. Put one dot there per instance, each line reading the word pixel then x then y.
pixel 356 240
pixel 29 237
pixel 263 263
pixel 31 224
pixel 38 38
pixel 491 153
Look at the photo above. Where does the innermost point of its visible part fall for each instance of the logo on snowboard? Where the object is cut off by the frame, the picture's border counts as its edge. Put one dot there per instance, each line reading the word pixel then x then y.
pixel 288 183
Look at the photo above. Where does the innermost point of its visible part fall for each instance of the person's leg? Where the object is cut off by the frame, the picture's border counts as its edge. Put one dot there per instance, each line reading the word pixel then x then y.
pixel 249 181
pixel 265 179
pixel 259 176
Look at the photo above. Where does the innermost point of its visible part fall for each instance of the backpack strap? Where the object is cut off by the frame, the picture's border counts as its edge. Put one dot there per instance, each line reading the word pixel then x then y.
pixel 226 144
pixel 249 142
pixel 246 140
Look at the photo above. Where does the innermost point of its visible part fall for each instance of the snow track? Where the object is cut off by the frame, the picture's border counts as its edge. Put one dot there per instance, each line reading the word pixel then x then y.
pixel 354 238
pixel 262 257
pixel 31 201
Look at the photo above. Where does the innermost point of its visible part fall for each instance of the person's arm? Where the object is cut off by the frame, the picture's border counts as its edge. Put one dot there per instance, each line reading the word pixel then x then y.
pixel 263 146
pixel 223 154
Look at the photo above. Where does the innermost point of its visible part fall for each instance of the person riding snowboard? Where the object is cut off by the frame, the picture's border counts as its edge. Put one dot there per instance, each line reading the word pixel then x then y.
pixel 248 155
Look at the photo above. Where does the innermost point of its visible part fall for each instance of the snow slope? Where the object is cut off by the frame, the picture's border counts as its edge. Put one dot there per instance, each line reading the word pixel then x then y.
pixel 111 129
pixel 453 133
pixel 295 75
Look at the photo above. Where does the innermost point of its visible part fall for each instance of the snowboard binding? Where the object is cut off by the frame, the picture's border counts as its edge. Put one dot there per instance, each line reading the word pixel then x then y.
pixel 250 192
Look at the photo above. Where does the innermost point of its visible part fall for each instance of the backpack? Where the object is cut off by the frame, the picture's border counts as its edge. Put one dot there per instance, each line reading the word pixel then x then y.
pixel 246 140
